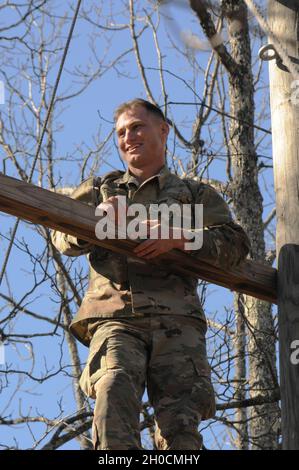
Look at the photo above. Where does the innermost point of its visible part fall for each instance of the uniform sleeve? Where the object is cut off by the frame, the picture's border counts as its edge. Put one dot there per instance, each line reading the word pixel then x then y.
pixel 224 241
pixel 68 244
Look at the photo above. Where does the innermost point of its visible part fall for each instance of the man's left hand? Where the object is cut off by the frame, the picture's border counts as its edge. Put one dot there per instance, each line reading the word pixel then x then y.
pixel 152 248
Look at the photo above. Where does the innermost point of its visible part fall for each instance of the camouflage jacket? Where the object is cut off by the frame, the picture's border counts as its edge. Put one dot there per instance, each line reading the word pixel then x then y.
pixel 121 286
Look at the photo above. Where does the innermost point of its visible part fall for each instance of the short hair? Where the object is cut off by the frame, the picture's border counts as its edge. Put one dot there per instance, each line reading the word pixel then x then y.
pixel 150 107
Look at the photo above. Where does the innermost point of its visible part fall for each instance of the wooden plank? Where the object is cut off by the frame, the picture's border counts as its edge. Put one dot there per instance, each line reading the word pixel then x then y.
pixel 56 211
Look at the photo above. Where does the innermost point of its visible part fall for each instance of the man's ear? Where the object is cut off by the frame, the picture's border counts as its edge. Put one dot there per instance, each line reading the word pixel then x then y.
pixel 164 129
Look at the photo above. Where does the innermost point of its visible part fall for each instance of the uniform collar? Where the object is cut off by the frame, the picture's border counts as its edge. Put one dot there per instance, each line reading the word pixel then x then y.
pixel 128 178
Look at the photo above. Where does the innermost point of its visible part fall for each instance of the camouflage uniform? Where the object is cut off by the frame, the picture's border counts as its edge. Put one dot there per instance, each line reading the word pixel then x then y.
pixel 146 325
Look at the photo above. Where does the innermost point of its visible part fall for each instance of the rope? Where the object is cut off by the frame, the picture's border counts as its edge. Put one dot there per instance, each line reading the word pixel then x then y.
pixel 40 141
pixel 277 44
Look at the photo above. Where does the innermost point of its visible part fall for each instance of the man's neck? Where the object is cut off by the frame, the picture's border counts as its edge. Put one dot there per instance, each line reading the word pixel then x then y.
pixel 143 174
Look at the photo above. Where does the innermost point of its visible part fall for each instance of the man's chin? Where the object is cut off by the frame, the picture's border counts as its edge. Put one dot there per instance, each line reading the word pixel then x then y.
pixel 135 157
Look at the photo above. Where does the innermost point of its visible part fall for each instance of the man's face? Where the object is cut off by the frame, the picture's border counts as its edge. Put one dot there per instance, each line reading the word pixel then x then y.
pixel 141 138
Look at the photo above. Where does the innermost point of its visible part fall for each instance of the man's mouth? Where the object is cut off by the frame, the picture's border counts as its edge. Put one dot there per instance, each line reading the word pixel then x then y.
pixel 133 148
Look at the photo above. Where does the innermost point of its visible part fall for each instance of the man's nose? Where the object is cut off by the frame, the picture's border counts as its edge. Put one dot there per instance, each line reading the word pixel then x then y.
pixel 130 135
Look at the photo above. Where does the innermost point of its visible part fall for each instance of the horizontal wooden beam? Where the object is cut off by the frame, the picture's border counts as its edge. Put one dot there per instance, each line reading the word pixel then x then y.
pixel 62 213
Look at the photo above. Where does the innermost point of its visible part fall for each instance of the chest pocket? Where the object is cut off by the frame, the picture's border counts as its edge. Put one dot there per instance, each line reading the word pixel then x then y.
pixel 107 190
pixel 181 195
pixel 182 212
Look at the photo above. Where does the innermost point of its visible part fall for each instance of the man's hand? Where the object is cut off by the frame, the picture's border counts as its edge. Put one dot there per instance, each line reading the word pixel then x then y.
pixel 154 247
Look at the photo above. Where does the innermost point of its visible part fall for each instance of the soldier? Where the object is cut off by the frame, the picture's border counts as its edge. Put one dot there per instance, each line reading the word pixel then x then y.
pixel 143 323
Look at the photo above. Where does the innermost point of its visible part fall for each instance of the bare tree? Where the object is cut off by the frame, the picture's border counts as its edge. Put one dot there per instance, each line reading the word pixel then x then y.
pixel 28 75
pixel 248 207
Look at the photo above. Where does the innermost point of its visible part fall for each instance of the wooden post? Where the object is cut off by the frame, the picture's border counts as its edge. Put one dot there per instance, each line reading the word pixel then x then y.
pixel 284 23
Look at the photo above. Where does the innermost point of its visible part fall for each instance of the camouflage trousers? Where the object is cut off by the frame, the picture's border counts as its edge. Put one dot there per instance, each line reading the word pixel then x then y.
pixel 167 354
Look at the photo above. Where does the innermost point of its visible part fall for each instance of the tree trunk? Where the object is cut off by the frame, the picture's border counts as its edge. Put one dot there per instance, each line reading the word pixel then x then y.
pixel 85 443
pixel 241 441
pixel 248 207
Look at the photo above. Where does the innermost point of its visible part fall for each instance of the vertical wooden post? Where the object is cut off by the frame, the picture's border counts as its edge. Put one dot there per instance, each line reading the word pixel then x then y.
pixel 284 22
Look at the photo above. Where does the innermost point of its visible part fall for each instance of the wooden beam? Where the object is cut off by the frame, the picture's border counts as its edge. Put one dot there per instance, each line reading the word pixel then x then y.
pixel 62 213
